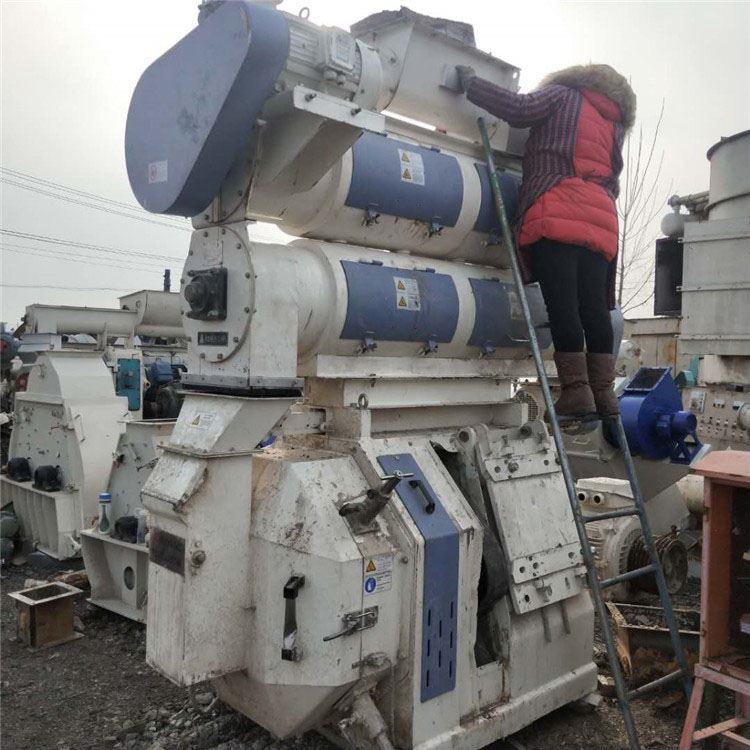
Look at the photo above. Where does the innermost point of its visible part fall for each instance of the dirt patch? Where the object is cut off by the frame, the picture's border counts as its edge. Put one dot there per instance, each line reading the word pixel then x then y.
pixel 98 692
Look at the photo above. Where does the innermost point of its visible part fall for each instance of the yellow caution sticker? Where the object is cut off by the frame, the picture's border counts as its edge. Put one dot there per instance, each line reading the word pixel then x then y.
pixel 408 296
pixel 377 574
pixel 411 167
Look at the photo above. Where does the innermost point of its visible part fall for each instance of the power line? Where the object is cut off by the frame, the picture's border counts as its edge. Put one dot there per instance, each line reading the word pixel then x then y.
pixel 89 204
pixel 79 258
pixel 87 246
pixel 67 288
pixel 66 188
pixel 68 253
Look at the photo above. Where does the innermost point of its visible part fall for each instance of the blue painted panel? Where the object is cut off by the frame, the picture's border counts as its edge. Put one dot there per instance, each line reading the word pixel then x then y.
pixel 193 109
pixel 377 181
pixel 487 220
pixel 440 593
pixel 499 321
pixel 373 312
pixel 128 382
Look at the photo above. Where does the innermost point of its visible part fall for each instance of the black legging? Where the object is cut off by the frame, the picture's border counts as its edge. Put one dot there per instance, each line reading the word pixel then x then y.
pixel 574 285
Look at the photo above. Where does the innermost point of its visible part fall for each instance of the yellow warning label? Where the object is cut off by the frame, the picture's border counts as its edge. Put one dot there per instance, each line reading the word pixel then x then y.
pixel 402 302
pixel 406 175
pixel 405 156
pixel 400 285
pixel 197 420
pixel 370 567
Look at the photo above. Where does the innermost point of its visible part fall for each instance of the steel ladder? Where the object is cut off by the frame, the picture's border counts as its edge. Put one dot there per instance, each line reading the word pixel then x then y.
pixel 624 696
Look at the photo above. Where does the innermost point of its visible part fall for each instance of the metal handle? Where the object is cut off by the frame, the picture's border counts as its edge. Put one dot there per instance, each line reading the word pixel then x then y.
pixel 429 506
pixel 354 621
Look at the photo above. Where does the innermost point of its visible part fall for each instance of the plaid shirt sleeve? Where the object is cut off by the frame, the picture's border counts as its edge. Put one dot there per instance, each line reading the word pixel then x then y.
pixel 518 110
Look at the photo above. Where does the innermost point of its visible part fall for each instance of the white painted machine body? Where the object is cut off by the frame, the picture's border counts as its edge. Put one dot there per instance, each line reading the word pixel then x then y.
pixel 69 416
pixel 118 568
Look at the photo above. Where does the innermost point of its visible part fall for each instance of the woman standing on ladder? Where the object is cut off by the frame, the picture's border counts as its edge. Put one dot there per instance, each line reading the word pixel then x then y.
pixel 567 218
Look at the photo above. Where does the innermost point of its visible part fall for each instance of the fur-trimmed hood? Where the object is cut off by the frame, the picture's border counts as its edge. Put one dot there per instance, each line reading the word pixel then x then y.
pixel 601 78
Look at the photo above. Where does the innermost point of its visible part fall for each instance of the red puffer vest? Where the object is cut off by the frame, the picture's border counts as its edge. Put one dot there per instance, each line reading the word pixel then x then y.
pixel 577 210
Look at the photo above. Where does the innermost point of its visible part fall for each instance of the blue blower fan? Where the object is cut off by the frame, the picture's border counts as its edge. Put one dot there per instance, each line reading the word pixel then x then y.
pixel 656 425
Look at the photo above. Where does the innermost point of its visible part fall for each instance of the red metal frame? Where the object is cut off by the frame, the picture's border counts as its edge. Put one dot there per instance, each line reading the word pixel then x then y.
pixel 724 472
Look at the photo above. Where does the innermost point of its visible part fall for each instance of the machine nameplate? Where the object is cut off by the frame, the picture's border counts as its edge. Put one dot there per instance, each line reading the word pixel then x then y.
pixel 213 338
pixel 440 588
pixel 167 550
pixel 158 171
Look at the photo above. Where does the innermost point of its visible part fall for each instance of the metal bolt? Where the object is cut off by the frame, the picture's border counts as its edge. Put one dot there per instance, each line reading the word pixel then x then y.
pixel 219 356
pixel 206 217
pixel 198 557
pixel 203 355
pixel 205 234
pixel 223 231
pixel 512 466
pixel 238 246
pixel 235 339
pixel 247 274
pixel 404 559
pixel 247 309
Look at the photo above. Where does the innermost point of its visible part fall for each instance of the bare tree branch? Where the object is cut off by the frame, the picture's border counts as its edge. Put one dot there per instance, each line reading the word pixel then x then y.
pixel 640 203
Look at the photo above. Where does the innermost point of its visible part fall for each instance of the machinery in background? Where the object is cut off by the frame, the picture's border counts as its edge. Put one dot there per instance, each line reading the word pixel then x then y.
pixel 400 567
pixel 116 560
pixel 618 542
pixel 703 274
pixel 70 412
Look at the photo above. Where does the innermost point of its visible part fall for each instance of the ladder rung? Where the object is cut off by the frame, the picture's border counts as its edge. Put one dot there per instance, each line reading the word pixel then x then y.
pixel 612 514
pixel 649 687
pixel 627 576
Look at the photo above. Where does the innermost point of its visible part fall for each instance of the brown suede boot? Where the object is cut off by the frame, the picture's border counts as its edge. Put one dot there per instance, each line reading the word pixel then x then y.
pixel 576 399
pixel 601 369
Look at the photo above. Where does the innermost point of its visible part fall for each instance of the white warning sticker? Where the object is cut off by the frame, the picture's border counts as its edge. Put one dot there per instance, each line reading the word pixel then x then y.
pixel 407 294
pixel 377 574
pixel 202 420
pixel 157 171
pixel 412 167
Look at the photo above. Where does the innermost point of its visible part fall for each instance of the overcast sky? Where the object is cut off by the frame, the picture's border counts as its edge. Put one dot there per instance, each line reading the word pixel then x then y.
pixel 69 67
